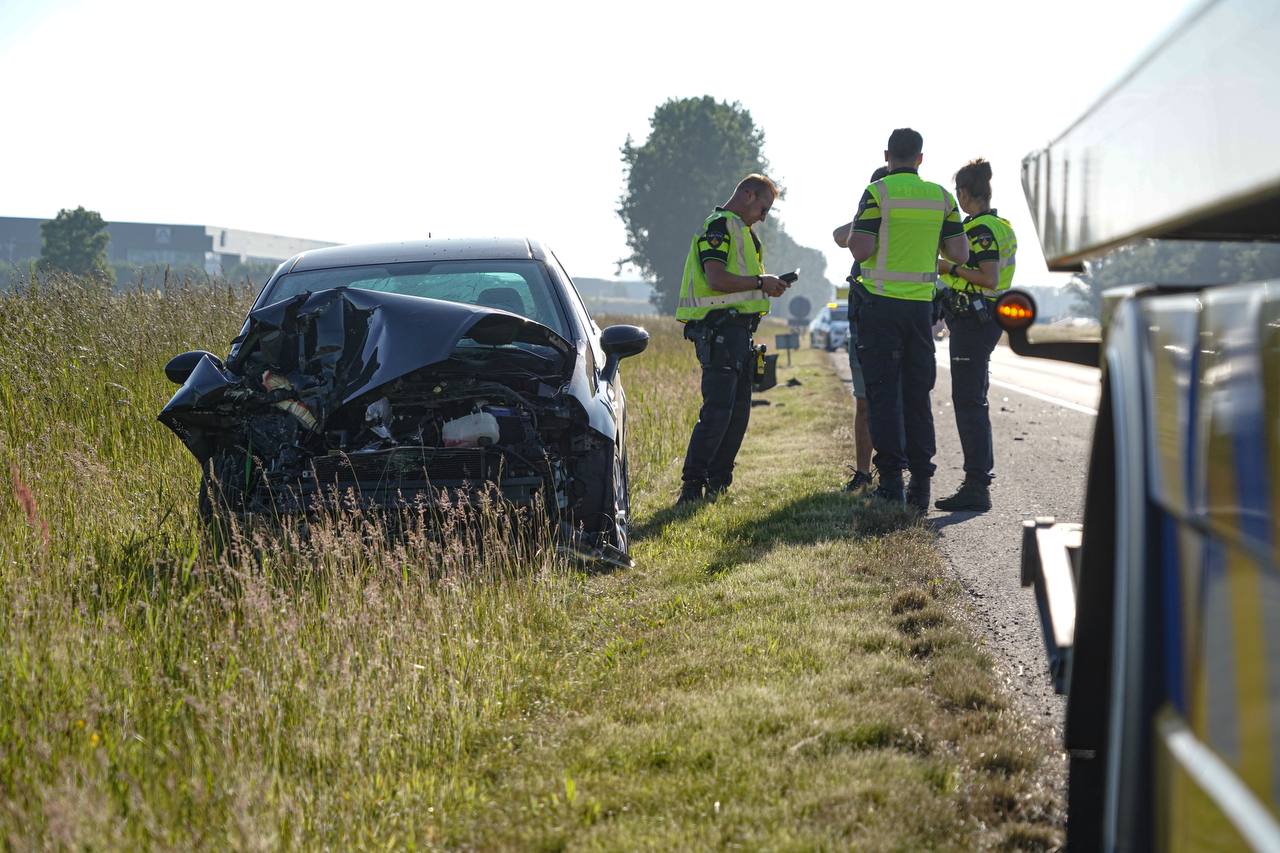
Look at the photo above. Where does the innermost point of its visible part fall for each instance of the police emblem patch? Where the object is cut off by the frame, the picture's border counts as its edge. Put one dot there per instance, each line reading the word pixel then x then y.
pixel 985 241
pixel 714 240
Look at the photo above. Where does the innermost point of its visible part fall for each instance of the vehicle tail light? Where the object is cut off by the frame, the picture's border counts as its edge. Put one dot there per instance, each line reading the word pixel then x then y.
pixel 1015 310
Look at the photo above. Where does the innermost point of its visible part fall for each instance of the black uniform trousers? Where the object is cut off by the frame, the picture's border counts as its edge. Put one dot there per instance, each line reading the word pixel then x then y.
pixel 972 342
pixel 725 352
pixel 895 348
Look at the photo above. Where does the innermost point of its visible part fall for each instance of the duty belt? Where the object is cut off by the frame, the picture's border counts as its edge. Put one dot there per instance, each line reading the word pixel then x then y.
pixel 716 318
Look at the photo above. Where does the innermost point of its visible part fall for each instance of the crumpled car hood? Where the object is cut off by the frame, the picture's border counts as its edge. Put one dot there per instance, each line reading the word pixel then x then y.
pixel 336 345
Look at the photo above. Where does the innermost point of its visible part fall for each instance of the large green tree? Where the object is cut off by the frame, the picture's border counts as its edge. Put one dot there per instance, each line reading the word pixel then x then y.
pixel 75 241
pixel 697 151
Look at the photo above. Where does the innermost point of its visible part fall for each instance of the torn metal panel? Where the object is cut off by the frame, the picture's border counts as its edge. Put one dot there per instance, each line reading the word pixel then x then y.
pixel 385 399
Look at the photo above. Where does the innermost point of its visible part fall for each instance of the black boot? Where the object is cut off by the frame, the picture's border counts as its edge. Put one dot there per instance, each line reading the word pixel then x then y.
pixel 716 488
pixel 690 492
pixel 974 495
pixel 890 487
pixel 918 494
pixel 860 480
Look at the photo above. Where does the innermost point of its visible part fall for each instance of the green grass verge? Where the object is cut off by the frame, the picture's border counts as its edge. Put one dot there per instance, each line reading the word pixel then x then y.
pixel 778 672
pixel 769 677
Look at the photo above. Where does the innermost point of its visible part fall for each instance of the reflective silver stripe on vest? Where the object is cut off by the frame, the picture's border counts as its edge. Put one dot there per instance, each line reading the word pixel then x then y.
pixel 725 299
pixel 895 275
pixel 917 204
pixel 1003 265
pixel 882 247
pixel 880 274
pixel 737 236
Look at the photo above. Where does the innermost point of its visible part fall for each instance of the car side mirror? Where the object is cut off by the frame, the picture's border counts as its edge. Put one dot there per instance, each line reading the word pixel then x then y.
pixel 619 342
pixel 180 366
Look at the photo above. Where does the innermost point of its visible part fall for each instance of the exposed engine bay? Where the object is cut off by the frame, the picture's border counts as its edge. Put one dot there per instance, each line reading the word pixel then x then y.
pixel 388 400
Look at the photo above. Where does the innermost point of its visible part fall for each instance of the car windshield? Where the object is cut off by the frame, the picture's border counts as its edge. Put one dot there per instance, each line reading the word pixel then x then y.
pixel 521 287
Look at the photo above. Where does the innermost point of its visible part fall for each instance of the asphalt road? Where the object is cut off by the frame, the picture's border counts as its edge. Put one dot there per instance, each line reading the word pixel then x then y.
pixel 1042 415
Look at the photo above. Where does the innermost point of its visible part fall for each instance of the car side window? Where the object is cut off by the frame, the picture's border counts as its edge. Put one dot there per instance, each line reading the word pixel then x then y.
pixel 589 327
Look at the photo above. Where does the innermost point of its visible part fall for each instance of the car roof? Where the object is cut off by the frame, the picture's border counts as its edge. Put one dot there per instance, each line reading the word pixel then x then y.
pixel 437 249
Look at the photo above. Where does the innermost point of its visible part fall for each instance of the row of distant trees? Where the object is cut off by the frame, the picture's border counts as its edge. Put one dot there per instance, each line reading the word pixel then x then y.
pixel 1172 262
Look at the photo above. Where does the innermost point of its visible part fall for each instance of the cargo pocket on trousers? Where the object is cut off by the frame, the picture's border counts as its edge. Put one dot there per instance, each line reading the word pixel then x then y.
pixel 879 366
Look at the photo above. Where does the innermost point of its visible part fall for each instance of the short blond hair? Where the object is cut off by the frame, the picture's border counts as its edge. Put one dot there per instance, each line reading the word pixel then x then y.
pixel 757 183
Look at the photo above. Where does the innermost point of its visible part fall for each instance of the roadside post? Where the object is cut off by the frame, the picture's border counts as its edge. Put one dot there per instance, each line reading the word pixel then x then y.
pixel 788 342
pixel 799 308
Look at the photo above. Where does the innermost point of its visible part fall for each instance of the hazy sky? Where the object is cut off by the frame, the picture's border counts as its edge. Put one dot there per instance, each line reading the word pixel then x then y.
pixel 386 121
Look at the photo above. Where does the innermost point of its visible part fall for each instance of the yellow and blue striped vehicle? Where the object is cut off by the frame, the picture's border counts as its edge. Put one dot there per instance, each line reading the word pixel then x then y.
pixel 1161 612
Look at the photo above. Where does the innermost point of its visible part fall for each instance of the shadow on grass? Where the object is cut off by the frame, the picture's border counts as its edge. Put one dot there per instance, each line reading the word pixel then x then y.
pixel 807 520
pixel 653 526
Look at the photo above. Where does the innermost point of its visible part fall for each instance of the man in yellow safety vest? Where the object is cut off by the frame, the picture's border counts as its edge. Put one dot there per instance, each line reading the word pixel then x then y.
pixel 901 224
pixel 723 294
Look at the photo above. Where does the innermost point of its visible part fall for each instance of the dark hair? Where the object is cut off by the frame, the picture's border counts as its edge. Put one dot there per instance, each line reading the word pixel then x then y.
pixel 880 173
pixel 974 178
pixel 904 144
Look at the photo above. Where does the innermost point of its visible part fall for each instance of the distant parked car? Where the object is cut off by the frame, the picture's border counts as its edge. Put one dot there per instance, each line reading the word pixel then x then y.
pixel 830 329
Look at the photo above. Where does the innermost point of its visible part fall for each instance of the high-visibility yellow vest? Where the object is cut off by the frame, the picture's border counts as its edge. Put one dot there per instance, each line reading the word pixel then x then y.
pixel 696 295
pixel 905 262
pixel 1006 242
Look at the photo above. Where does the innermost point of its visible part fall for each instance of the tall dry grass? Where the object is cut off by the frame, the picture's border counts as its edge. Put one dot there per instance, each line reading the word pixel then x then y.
pixel 286 690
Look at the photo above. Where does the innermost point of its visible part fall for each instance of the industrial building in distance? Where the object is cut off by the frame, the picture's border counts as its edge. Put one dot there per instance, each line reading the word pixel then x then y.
pixel 149 245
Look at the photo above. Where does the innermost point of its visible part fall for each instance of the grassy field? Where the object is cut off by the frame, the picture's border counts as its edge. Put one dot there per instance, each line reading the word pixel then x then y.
pixel 782 670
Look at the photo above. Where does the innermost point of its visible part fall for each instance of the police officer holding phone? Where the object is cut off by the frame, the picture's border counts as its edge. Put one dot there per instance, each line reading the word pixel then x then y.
pixel 969 305
pixel 723 294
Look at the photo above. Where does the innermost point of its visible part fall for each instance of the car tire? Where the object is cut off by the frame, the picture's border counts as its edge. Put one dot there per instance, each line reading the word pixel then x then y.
pixel 620 502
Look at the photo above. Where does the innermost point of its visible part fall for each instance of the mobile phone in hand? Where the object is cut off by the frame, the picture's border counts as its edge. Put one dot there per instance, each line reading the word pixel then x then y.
pixel 790 277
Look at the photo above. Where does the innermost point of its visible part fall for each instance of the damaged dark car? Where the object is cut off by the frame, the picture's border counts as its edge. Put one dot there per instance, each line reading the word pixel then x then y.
pixel 392 373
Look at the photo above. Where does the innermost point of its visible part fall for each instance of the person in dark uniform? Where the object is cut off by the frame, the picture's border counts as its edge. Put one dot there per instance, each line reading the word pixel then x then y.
pixel 973 288
pixel 723 294
pixel 901 223
pixel 861 410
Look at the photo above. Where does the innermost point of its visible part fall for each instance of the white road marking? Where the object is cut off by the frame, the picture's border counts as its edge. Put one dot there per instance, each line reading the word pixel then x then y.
pixel 1067 376
pixel 1048 398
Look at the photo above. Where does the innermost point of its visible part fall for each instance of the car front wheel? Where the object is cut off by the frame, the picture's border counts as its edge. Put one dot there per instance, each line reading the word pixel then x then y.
pixel 621 538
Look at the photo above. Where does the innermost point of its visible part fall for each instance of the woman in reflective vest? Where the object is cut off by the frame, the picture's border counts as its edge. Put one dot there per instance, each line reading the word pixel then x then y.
pixel 993 250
